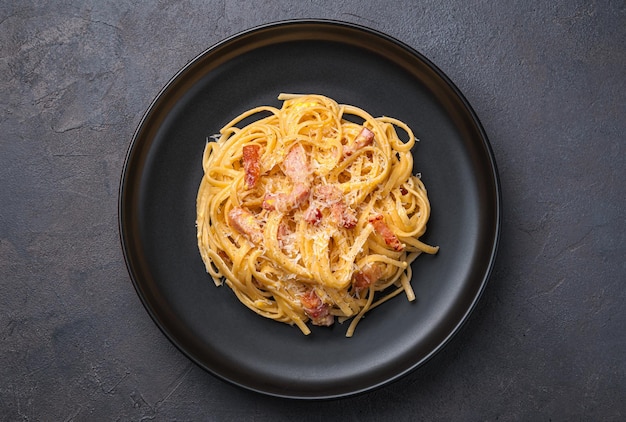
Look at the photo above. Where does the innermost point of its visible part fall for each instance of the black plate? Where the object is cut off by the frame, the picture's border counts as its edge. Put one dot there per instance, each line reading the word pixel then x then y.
pixel 162 173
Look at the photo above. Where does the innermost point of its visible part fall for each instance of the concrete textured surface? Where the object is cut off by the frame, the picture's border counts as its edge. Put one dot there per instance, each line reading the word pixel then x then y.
pixel 548 339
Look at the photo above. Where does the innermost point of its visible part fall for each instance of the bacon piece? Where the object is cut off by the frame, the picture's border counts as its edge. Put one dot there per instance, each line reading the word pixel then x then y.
pixel 363 139
pixel 313 215
pixel 286 202
pixel 244 222
pixel 385 232
pixel 274 201
pixel 296 166
pixel 251 164
pixel 366 276
pixel 328 193
pixel 316 309
pixel 341 213
pixel 299 195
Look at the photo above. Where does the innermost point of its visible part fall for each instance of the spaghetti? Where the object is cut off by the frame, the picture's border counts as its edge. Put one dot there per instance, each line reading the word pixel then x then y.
pixel 308 216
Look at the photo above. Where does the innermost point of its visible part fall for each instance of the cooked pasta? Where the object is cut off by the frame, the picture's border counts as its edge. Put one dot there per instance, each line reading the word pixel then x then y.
pixel 311 212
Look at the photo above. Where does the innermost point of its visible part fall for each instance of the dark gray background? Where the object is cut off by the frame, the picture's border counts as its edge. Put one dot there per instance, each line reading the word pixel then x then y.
pixel 548 339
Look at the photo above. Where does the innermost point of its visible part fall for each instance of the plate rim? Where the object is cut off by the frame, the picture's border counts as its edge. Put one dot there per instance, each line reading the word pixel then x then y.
pixel 326 24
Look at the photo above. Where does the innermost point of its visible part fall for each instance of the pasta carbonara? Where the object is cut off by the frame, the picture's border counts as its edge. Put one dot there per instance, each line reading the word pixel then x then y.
pixel 311 212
